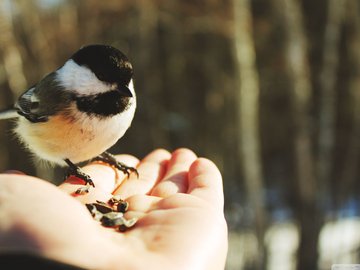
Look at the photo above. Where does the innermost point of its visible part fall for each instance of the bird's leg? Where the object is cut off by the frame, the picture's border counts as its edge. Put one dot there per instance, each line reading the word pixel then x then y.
pixel 77 172
pixel 111 160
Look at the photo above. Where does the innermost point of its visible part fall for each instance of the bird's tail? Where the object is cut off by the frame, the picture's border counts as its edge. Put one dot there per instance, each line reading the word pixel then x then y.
pixel 9 113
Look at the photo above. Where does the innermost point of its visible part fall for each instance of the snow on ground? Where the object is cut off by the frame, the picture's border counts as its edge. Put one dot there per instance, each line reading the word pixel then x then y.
pixel 339 243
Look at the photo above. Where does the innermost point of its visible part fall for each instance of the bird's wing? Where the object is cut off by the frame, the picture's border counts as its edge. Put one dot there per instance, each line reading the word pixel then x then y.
pixel 43 100
pixel 8 113
pixel 28 106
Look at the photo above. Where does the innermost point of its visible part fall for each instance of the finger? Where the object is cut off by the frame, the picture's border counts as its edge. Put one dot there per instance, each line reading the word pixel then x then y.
pixel 31 198
pixel 140 205
pixel 14 172
pixel 37 216
pixel 175 179
pixel 104 176
pixel 143 203
pixel 151 169
pixel 205 182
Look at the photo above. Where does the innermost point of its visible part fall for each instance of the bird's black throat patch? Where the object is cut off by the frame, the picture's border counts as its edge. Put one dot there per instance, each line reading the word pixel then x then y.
pixel 103 104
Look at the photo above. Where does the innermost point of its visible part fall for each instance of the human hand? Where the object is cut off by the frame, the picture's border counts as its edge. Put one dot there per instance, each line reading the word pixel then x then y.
pixel 178 199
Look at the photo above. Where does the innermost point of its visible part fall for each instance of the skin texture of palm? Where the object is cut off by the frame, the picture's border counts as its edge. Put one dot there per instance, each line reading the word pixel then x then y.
pixel 178 200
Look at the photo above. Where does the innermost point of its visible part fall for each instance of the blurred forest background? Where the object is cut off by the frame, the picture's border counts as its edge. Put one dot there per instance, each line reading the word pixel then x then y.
pixel 268 89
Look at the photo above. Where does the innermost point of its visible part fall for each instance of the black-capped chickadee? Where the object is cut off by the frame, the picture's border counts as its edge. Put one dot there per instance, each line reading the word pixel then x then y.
pixel 77 112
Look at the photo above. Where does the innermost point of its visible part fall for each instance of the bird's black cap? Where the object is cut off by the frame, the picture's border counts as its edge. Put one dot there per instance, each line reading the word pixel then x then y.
pixel 108 63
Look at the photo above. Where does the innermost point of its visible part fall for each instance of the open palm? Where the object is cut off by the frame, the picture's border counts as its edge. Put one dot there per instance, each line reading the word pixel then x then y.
pixel 178 199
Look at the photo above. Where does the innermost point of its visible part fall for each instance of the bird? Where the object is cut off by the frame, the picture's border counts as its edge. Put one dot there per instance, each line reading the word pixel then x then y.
pixel 77 112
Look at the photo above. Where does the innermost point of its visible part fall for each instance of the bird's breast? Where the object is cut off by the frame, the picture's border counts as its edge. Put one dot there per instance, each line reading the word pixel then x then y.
pixel 75 135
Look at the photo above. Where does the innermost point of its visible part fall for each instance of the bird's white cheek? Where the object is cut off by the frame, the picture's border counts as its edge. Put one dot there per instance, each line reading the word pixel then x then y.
pixel 80 79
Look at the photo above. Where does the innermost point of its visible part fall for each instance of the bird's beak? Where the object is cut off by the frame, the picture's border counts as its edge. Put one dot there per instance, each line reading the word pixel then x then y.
pixel 125 91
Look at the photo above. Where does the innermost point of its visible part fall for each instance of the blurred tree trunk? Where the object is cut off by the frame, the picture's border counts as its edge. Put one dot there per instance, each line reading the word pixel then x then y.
pixel 38 43
pixel 171 20
pixel 13 68
pixel 69 24
pixel 12 60
pixel 351 164
pixel 248 117
pixel 328 80
pixel 148 67
pixel 306 204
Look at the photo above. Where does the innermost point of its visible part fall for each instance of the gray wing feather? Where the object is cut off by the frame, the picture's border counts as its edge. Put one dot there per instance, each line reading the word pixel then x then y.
pixel 25 103
pixel 43 100
pixel 7 114
pixel 28 106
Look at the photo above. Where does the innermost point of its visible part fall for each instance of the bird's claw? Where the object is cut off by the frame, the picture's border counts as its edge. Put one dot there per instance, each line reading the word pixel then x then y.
pixel 127 170
pixel 111 160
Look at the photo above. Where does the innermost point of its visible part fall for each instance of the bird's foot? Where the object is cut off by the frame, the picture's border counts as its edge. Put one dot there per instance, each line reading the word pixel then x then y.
pixel 111 160
pixel 78 173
